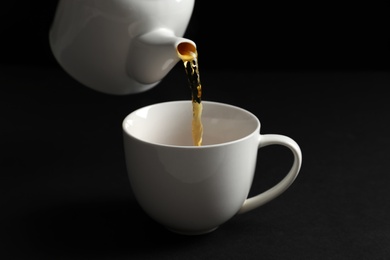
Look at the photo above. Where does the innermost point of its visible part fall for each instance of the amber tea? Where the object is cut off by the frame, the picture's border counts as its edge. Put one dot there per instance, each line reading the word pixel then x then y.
pixel 189 55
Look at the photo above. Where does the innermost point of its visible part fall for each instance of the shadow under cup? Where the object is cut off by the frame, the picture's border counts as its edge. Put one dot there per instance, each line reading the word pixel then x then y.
pixel 170 123
pixel 190 189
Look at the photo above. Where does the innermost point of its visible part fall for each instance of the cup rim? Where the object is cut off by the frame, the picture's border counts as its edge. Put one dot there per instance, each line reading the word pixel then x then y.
pixel 255 131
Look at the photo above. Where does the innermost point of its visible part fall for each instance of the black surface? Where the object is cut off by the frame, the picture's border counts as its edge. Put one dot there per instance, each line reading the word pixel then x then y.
pixel 64 192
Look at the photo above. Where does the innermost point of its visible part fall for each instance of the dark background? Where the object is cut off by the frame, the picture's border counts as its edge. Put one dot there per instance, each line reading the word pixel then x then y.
pixel 267 35
pixel 317 72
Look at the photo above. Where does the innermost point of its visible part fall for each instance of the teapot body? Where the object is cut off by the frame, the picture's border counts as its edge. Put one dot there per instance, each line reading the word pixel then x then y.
pixel 100 42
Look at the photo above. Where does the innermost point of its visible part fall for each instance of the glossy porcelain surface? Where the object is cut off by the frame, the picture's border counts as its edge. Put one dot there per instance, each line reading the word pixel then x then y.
pixel 119 46
pixel 191 189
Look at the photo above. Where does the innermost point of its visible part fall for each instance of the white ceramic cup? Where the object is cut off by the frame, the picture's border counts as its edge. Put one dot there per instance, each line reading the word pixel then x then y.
pixel 194 189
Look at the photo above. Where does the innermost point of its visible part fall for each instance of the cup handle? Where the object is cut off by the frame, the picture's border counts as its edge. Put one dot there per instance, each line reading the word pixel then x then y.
pixel 268 195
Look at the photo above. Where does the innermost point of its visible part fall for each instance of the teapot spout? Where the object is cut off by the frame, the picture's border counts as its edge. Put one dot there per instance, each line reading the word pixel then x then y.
pixel 153 55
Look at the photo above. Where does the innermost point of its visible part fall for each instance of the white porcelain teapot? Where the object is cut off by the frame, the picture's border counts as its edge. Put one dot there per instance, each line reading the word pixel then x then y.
pixel 119 46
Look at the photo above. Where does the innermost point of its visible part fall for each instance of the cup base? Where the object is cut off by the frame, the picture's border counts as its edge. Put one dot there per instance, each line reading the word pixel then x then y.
pixel 191 233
